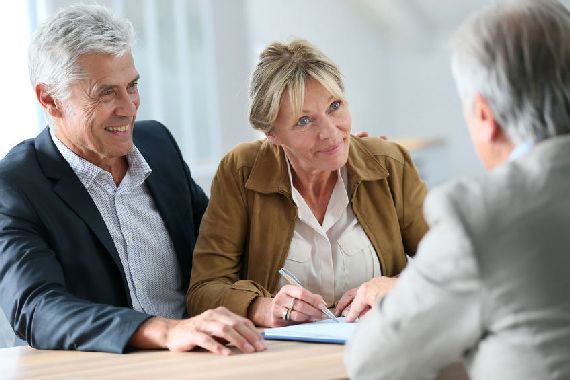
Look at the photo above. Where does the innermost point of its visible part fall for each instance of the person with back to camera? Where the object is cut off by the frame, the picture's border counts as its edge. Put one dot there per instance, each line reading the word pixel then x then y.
pixel 334 209
pixel 490 282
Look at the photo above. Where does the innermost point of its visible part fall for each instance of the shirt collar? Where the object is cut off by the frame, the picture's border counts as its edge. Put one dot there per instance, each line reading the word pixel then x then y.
pixel 269 170
pixel 337 203
pixel 87 172
pixel 521 150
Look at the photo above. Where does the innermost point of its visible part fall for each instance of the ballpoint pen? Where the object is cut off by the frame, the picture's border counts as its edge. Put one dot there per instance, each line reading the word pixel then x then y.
pixel 291 279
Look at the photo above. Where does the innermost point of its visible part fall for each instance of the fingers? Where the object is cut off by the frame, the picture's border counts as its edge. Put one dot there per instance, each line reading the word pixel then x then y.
pixel 219 323
pixel 357 308
pixel 345 301
pixel 305 305
pixel 305 311
pixel 284 316
pixel 205 341
pixel 236 330
pixel 313 301
pixel 368 295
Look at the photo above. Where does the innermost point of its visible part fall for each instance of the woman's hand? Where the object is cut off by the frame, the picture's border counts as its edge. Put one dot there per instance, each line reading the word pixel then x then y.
pixel 343 305
pixel 292 304
pixel 368 295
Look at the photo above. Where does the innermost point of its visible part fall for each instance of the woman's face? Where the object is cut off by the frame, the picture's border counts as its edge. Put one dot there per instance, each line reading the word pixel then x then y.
pixel 318 140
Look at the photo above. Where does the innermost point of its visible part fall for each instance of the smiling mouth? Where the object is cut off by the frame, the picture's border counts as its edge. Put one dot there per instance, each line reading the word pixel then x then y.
pixel 122 128
pixel 331 148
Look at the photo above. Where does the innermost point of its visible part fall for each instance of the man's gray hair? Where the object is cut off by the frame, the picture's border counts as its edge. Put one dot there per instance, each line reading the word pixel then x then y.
pixel 517 55
pixel 62 39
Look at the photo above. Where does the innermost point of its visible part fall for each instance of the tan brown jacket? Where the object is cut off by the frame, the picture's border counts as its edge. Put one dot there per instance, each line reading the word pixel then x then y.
pixel 246 231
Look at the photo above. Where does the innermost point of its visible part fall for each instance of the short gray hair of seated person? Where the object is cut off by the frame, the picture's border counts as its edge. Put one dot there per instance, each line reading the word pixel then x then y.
pixel 63 38
pixel 287 67
pixel 516 54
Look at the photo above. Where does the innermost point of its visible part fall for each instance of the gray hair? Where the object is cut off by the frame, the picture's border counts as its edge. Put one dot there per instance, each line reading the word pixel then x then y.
pixel 62 39
pixel 517 55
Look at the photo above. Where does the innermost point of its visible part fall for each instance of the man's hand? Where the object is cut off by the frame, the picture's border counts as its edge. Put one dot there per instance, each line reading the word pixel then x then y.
pixel 365 134
pixel 210 330
pixel 368 295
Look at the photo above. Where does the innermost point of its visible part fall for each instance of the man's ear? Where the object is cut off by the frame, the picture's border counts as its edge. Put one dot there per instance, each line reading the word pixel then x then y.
pixel 488 127
pixel 47 101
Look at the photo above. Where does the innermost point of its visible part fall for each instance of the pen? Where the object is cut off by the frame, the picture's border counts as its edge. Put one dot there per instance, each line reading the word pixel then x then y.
pixel 291 279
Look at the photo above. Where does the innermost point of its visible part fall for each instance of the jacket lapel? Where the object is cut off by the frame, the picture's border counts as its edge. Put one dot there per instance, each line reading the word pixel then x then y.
pixel 166 190
pixel 269 172
pixel 68 187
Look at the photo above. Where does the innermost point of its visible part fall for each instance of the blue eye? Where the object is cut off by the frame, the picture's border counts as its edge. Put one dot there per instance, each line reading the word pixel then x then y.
pixel 335 105
pixel 305 120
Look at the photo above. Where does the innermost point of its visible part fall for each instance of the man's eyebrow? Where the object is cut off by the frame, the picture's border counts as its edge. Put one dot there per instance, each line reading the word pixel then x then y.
pixel 102 87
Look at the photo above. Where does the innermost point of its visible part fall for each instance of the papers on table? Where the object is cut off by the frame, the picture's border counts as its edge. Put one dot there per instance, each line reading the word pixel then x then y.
pixel 325 331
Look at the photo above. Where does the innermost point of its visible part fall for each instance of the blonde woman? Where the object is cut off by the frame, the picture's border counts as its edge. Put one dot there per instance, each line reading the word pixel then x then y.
pixel 334 209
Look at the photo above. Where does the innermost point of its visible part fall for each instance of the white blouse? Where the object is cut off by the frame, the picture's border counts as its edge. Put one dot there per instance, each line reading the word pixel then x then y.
pixel 331 258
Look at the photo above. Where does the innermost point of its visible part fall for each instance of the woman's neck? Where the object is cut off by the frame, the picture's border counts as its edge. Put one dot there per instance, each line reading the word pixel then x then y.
pixel 316 189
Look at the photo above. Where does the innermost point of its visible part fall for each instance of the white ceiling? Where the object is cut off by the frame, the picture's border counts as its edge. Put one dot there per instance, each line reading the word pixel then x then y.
pixel 432 16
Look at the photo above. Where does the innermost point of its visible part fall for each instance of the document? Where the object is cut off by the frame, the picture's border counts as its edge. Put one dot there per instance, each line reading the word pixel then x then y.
pixel 325 331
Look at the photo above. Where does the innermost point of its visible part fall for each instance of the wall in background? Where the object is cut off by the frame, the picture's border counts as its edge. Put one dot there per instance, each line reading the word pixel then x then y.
pixel 195 57
pixel 398 81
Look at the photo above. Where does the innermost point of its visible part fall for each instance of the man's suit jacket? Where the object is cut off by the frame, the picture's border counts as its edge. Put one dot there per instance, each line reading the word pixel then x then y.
pixel 490 282
pixel 62 285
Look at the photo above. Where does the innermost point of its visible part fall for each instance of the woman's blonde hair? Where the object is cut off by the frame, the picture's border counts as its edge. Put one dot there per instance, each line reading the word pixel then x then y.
pixel 288 67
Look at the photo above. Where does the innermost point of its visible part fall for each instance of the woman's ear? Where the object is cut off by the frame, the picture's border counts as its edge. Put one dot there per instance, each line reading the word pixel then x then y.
pixel 271 137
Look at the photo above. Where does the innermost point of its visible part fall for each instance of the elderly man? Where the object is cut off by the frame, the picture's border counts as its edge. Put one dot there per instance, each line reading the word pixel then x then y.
pixel 490 281
pixel 99 214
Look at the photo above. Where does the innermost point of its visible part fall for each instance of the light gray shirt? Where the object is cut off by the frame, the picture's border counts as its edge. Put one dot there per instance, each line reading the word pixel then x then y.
pixel 138 232
pixel 489 283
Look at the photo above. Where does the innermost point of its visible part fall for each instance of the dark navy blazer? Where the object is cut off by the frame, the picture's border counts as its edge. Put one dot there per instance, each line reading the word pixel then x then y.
pixel 62 285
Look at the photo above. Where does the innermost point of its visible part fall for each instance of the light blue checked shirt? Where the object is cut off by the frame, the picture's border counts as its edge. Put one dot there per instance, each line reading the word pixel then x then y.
pixel 138 231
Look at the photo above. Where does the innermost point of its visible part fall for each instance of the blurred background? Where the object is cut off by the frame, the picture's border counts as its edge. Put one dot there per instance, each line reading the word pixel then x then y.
pixel 195 58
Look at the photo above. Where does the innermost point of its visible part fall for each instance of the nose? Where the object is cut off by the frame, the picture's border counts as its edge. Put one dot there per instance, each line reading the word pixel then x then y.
pixel 127 104
pixel 327 128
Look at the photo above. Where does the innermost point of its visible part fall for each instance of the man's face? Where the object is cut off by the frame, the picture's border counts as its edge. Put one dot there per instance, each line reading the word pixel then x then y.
pixel 97 120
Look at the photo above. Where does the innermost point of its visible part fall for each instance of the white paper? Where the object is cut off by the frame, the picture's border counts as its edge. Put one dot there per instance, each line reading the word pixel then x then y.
pixel 325 331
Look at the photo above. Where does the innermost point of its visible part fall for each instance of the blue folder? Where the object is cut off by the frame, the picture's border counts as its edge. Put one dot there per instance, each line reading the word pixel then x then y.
pixel 325 331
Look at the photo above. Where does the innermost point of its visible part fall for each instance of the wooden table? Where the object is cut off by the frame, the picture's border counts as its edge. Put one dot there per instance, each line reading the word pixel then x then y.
pixel 282 360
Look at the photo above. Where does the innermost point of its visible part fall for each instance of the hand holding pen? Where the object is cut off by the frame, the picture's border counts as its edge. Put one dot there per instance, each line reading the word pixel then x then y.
pixel 292 304
pixel 291 279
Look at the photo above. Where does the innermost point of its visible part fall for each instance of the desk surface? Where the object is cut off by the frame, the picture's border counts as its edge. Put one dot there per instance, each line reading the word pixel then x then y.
pixel 282 360
pixel 291 360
